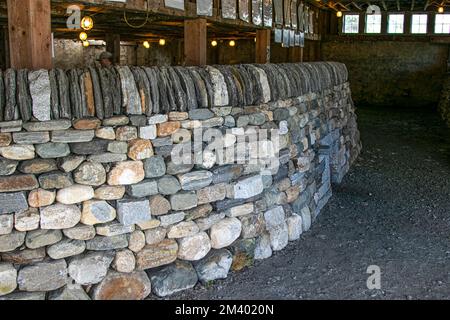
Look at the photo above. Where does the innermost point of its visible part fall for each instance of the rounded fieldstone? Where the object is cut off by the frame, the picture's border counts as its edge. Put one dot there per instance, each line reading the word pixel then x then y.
pixel 225 232
pixel 90 173
pixel 90 268
pixel 123 286
pixel 18 152
pixel 27 220
pixel 52 150
pixel 8 278
pixel 43 276
pixel 194 248
pixel 159 205
pixel 59 216
pixel 110 193
pixel 136 241
pixel 66 248
pixel 96 212
pixel 214 266
pixel 12 241
pixel 126 173
pixel 41 198
pixel 168 185
pixel 154 167
pixel 124 261
pixel 75 194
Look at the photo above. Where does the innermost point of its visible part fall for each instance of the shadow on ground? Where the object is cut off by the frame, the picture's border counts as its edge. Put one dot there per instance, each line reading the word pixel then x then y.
pixel 392 210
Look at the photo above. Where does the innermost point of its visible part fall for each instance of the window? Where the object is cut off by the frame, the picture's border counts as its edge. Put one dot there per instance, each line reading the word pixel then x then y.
pixel 395 23
pixel 442 24
pixel 351 23
pixel 373 23
pixel 419 23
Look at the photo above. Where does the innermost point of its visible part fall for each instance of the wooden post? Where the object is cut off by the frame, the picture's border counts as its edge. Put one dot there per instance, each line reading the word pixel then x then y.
pixel 384 22
pixel 263 46
pixel 30 34
pixel 113 46
pixel 195 38
pixel 407 26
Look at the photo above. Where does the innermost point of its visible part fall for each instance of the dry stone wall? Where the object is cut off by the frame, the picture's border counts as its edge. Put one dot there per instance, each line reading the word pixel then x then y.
pixel 95 202
pixel 444 102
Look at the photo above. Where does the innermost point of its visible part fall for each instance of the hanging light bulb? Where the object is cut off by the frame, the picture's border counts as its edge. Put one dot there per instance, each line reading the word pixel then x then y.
pixel 441 9
pixel 86 44
pixel 146 44
pixel 87 23
pixel 83 36
pixel 255 39
pixel 339 14
pixel 232 43
pixel 162 42
pixel 214 43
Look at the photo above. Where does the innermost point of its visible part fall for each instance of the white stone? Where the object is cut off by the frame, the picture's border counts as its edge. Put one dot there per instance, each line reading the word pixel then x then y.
pixel 306 219
pixel 8 278
pixel 294 224
pixel 39 82
pixel 225 232
pixel 194 248
pixel 149 132
pixel 277 228
pixel 75 194
pixel 59 216
pixel 249 187
pixel 6 223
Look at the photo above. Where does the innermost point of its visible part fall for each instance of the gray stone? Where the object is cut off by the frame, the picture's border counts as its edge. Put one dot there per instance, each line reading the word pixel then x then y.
pixel 226 174
pixel 168 185
pixel 27 220
pixel 52 125
pixel 143 189
pixel 96 146
pixel 39 82
pixel 173 278
pixel 219 87
pixel 183 229
pixel 7 167
pixel 131 212
pixel 195 180
pixel 171 219
pixel 200 114
pixel 119 147
pixel 155 236
pixel 8 278
pixel 25 296
pixel 43 276
pixel 130 95
pixel 12 241
pixel 31 137
pixel 116 121
pixel 294 224
pixel 263 249
pixel 229 121
pixel 159 118
pixel 80 232
pixel 161 142
pixel 38 166
pixel 212 194
pixel 214 266
pixel 206 223
pixel 59 216
pixel 107 157
pixel 90 173
pixel 306 219
pixel 257 119
pixel 113 229
pixel 24 256
pixel 248 187
pixel 174 169
pixel 148 132
pixel 100 243
pixel 55 180
pixel 154 167
pixel 96 212
pixel 71 292
pixel 18 152
pixel 90 268
pixel 277 228
pixel 70 163
pixel 41 238
pixel 73 136
pixel 183 201
pixel 6 223
pixel 138 120
pixel 53 150
pixel 66 248
pixel 13 202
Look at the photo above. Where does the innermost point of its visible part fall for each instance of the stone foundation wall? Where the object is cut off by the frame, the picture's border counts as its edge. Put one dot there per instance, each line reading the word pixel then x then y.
pixel 94 203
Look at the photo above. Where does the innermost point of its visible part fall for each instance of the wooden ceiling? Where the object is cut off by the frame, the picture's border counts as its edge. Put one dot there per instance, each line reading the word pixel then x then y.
pixel 384 5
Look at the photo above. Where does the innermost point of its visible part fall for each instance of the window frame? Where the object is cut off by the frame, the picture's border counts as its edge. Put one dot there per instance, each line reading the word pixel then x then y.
pixel 344 23
pixel 443 24
pixel 427 20
pixel 389 23
pixel 367 24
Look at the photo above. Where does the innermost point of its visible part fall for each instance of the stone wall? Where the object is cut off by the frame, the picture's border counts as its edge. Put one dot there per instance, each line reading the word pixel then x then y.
pixel 95 205
pixel 390 73
pixel 444 102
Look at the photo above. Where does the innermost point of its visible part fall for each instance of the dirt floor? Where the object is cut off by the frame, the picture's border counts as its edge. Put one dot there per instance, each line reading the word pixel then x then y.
pixel 392 210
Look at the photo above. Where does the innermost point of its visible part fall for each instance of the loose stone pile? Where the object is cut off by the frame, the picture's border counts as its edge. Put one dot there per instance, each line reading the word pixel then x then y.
pixel 92 205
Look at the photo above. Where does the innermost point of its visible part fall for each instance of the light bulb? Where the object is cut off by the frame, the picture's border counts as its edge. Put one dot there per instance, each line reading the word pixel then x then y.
pixel 441 9
pixel 146 44
pixel 339 14
pixel 87 23
pixel 232 43
pixel 83 36
pixel 162 42
pixel 214 43
pixel 86 44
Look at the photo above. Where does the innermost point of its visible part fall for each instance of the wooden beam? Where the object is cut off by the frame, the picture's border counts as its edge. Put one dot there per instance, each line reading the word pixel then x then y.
pixel 30 35
pixel 263 46
pixel 113 46
pixel 195 41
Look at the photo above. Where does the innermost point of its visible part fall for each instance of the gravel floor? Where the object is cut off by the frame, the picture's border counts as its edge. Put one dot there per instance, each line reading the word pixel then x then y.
pixel 392 210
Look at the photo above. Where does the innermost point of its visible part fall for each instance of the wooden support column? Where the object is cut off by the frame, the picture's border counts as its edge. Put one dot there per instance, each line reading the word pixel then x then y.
pixel 113 46
pixel 195 40
pixel 384 22
pixel 407 23
pixel 30 34
pixel 263 46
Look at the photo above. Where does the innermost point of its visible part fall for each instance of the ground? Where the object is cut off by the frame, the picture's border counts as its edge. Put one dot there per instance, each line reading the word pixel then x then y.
pixel 392 210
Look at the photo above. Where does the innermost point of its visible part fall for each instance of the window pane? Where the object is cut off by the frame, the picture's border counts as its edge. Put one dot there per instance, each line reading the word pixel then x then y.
pixel 373 23
pixel 395 23
pixel 419 23
pixel 442 24
pixel 351 23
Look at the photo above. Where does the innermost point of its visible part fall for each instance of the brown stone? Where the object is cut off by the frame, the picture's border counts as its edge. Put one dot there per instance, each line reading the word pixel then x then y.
pixel 87 124
pixel 18 183
pixel 159 205
pixel 126 173
pixel 123 286
pixel 126 133
pixel 26 256
pixel 140 149
pixel 178 116
pixel 160 254
pixel 109 193
pixel 5 139
pixel 89 93
pixel 168 128
pixel 41 198
pixel 199 212
pixel 292 193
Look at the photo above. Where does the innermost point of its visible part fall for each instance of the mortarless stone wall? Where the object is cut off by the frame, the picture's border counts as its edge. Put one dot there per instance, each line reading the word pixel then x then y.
pixel 93 204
